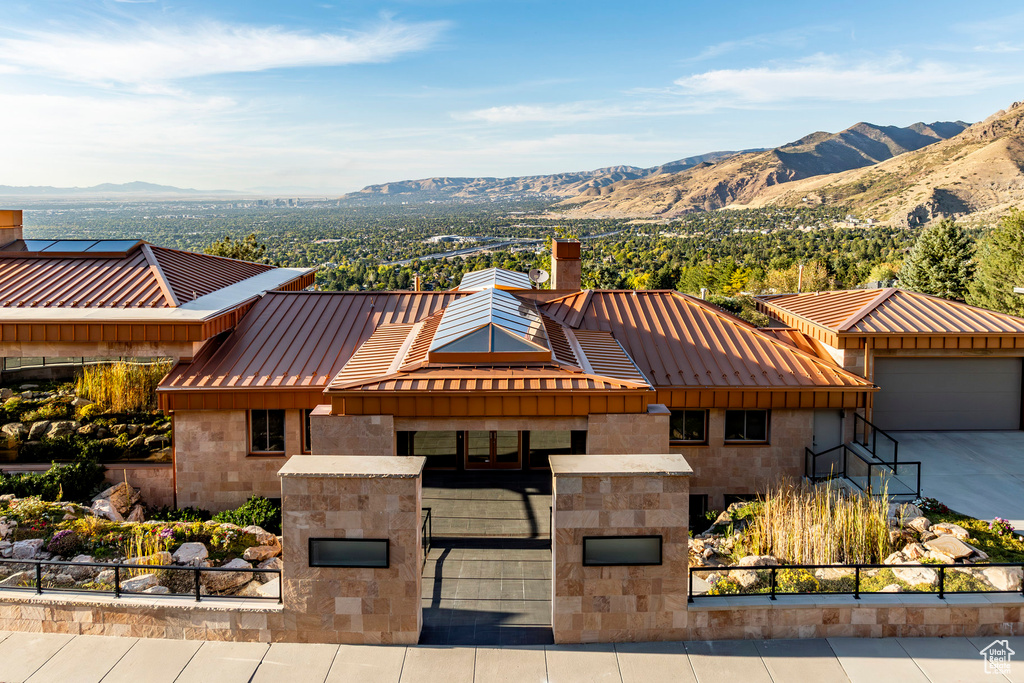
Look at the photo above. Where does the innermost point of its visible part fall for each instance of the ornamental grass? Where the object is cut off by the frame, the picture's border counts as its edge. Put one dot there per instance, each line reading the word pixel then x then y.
pixel 122 387
pixel 805 524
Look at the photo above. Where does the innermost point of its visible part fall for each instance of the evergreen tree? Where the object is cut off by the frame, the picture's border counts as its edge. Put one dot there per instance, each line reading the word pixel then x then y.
pixel 1001 267
pixel 940 263
pixel 249 249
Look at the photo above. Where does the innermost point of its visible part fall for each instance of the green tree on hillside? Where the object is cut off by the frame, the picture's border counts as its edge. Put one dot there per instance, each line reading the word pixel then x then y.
pixel 1001 267
pixel 248 249
pixel 941 262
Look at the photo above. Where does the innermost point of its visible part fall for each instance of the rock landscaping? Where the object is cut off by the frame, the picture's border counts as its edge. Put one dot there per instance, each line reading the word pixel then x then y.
pixel 920 533
pixel 56 423
pixel 32 529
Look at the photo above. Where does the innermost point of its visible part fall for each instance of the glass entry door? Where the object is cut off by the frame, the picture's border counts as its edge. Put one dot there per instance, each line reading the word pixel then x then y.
pixel 493 450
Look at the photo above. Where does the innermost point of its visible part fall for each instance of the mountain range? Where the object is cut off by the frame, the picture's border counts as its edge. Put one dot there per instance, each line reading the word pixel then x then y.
pixel 133 188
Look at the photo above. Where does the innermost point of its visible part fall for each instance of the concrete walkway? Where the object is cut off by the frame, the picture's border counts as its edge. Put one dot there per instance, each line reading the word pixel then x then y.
pixel 54 658
pixel 980 474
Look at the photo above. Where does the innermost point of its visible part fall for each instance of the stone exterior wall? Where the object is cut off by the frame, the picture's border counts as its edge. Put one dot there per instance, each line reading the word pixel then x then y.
pixel 213 468
pixel 351 434
pixel 872 616
pixel 720 469
pixel 155 482
pixel 629 432
pixel 627 603
pixel 339 605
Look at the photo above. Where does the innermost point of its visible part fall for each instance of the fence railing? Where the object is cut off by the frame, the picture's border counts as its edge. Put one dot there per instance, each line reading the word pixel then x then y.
pixel 871 476
pixel 123 572
pixel 877 442
pixel 848 579
pixel 427 531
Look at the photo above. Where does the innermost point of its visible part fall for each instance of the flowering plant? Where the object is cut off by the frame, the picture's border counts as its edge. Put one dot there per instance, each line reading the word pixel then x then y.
pixel 931 506
pixel 1001 527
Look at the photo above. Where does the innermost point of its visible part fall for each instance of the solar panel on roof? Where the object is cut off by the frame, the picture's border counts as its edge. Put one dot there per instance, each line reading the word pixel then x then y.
pixel 64 246
pixel 113 245
pixel 37 245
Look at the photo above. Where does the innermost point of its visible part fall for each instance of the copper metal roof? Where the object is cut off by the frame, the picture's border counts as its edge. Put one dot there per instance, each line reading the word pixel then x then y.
pixel 143 277
pixel 678 341
pixel 603 355
pixel 893 311
pixel 300 339
pixel 455 379
pixel 494 278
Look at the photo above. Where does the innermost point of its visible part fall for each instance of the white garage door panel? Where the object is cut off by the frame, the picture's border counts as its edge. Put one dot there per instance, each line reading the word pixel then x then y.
pixel 948 393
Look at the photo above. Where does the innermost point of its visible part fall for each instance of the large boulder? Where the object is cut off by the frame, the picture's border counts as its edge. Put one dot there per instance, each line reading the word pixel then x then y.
pixel 758 561
pixel 27 550
pixel 920 524
pixel 905 511
pixel 14 430
pixel 7 527
pixel 137 584
pixel 6 393
pixel 79 402
pixel 62 428
pixel 272 563
pixel 222 581
pixel 104 508
pixel 1004 578
pixel 259 553
pixel 914 552
pixel 947 544
pixel 156 441
pixel 137 514
pixel 38 430
pixel 122 496
pixel 917 576
pixel 5 549
pixel 955 530
pixel 191 554
pixel 80 573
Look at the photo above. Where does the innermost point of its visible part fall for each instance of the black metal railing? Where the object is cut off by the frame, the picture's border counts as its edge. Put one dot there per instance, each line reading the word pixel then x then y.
pixel 877 442
pixel 123 572
pixel 871 476
pixel 427 531
pixel 850 581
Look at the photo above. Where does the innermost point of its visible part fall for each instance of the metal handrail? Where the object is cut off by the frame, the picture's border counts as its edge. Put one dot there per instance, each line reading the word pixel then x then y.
pixel 875 431
pixel 772 591
pixel 427 532
pixel 811 468
pixel 119 567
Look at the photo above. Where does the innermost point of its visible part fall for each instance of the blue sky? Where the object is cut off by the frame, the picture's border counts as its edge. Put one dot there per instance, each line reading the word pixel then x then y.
pixel 332 95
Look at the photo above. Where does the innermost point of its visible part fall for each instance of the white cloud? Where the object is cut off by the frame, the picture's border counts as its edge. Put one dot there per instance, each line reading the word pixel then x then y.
pixel 147 54
pixel 829 78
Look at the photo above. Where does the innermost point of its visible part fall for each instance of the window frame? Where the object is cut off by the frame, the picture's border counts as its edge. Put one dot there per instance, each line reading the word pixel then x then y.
pixel 746 441
pixel 689 442
pixel 284 433
pixel 306 446
pixel 639 537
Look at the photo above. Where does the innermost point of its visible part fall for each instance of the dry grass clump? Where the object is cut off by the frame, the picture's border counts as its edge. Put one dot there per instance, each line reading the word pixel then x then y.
pixel 808 524
pixel 122 387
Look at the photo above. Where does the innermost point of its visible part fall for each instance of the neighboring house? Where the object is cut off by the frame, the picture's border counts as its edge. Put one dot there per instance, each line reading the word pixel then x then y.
pixel 96 299
pixel 939 364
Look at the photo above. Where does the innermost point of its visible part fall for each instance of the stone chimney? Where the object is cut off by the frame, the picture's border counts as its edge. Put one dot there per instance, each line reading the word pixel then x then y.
pixel 566 268
pixel 10 226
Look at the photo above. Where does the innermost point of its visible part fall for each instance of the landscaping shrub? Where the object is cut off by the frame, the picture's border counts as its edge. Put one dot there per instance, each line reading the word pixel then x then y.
pixel 55 410
pixel 122 387
pixel 169 514
pixel 76 481
pixel 65 543
pixel 88 412
pixel 66 447
pixel 1001 527
pixel 819 525
pixel 999 547
pixel 257 511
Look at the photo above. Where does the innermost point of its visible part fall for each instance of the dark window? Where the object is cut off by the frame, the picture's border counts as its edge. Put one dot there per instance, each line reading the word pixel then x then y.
pixel 441 449
pixel 689 425
pixel 542 444
pixel 699 523
pixel 746 425
pixel 616 551
pixel 731 498
pixel 349 552
pixel 266 431
pixel 307 440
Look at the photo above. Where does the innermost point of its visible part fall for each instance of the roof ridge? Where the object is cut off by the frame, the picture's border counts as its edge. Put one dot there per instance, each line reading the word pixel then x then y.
pixel 863 311
pixel 158 273
pixel 961 303
pixel 203 254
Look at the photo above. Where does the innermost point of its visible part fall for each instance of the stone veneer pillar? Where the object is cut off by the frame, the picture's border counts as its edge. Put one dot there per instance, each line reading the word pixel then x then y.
pixel 619 495
pixel 351 496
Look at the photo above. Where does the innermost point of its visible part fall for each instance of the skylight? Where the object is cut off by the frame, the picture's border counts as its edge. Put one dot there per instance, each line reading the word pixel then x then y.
pixel 491 321
pixel 494 278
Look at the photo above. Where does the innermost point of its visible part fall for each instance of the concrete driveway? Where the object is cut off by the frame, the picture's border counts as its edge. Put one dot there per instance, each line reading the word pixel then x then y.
pixel 980 474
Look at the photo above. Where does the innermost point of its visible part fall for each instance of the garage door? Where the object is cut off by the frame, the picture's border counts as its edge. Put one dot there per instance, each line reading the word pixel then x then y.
pixel 947 393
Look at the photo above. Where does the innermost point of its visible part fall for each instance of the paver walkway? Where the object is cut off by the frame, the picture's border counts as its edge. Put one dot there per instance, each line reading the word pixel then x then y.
pixel 53 658
pixel 487 580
